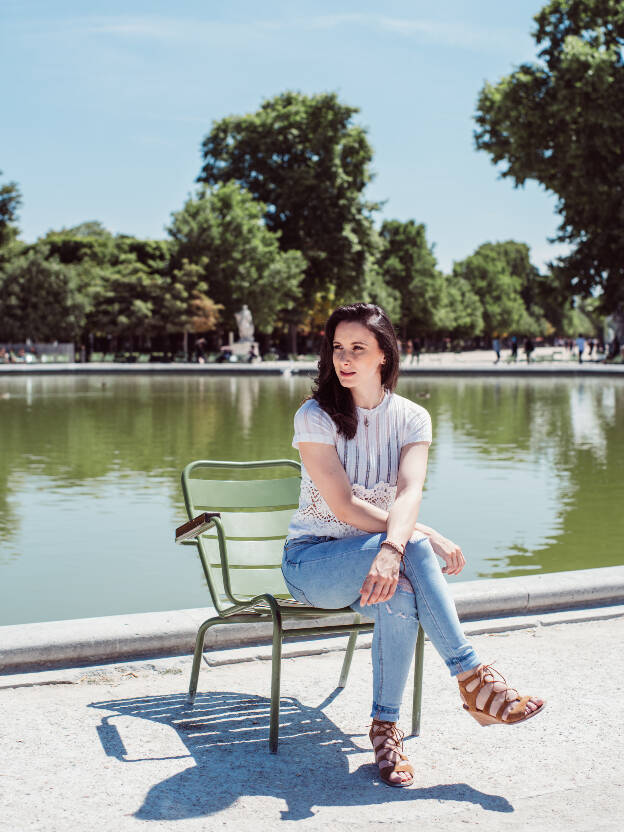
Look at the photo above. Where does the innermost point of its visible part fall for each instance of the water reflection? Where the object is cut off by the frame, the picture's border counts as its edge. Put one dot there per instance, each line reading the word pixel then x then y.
pixel 525 474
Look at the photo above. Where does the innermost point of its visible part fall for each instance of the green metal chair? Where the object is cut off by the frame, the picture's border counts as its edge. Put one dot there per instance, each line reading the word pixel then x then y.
pixel 241 555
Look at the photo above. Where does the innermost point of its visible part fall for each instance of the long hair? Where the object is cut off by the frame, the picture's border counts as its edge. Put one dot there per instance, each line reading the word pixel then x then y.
pixel 335 399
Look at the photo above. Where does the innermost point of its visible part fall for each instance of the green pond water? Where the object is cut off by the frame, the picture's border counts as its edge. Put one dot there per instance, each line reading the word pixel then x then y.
pixel 525 474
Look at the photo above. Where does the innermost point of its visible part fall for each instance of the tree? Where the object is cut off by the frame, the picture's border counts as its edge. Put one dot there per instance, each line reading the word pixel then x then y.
pixel 223 231
pixel 10 201
pixel 41 298
pixel 560 122
pixel 541 294
pixel 302 158
pixel 127 300
pixel 460 312
pixel 409 266
pixel 489 275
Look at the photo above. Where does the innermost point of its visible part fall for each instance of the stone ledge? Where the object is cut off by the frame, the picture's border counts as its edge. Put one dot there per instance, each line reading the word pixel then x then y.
pixel 89 641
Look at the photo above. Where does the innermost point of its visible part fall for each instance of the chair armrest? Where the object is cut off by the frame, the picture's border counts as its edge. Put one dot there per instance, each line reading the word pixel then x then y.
pixel 195 527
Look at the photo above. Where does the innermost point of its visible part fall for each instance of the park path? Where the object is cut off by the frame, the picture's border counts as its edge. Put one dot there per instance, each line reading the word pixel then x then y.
pixel 114 747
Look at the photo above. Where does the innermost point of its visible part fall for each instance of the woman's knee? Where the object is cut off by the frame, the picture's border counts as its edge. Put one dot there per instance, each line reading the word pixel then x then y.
pixel 420 548
pixel 402 605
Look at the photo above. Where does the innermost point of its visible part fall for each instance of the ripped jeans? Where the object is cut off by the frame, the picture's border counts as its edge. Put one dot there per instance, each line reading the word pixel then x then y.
pixel 328 572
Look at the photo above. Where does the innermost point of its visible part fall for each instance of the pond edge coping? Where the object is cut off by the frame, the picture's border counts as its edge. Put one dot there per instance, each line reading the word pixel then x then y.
pixel 307 368
pixel 91 641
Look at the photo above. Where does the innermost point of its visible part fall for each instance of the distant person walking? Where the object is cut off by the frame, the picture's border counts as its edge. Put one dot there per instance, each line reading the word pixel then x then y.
pixel 514 348
pixel 409 351
pixel 580 345
pixel 200 350
pixel 417 349
pixel 497 348
pixel 529 346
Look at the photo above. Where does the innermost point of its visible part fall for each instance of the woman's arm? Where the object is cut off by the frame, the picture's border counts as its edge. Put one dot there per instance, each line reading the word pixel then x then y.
pixel 403 513
pixel 383 575
pixel 329 476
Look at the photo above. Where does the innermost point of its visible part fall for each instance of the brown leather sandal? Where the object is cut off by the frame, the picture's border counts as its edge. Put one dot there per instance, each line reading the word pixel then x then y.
pixel 387 742
pixel 498 700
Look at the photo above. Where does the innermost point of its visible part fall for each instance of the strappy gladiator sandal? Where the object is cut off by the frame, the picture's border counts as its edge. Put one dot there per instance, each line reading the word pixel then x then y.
pixel 387 742
pixel 490 711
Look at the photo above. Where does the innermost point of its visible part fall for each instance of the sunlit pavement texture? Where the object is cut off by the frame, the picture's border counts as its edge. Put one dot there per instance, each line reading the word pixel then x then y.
pixel 115 747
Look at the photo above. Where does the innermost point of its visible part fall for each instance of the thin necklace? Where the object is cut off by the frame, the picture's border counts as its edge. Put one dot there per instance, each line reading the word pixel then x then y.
pixel 383 393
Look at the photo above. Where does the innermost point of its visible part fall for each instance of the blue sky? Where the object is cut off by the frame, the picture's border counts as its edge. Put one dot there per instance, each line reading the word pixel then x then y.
pixel 105 105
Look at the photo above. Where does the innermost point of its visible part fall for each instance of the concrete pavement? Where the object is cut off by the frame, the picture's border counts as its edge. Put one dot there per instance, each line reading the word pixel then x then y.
pixel 116 747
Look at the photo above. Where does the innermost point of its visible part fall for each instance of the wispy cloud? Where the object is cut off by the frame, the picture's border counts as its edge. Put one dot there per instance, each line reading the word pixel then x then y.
pixel 172 29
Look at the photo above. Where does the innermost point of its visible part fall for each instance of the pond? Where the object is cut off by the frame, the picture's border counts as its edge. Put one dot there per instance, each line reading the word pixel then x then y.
pixel 525 474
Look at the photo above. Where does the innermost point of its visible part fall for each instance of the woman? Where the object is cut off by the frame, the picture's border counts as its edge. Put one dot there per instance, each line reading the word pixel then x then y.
pixel 355 540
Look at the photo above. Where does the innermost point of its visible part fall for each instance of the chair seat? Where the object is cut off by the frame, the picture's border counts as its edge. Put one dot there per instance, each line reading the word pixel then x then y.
pixel 289 607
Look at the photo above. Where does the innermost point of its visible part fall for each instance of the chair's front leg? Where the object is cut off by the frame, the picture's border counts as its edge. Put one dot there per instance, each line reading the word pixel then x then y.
pixel 197 656
pixel 276 667
pixel 419 658
pixel 346 664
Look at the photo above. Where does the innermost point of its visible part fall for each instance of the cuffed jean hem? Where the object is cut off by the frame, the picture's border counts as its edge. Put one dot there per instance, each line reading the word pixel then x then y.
pixel 384 714
pixel 468 660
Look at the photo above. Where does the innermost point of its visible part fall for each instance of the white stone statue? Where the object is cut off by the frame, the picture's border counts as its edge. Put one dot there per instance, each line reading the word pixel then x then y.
pixel 244 322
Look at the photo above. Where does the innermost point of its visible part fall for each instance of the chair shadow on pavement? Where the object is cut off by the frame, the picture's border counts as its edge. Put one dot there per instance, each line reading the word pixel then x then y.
pixel 227 736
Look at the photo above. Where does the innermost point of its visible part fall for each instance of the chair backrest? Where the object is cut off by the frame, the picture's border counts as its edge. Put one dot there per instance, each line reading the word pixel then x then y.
pixel 255 513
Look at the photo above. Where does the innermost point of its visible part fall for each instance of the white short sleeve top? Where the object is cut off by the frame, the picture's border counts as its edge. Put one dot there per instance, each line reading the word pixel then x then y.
pixel 370 459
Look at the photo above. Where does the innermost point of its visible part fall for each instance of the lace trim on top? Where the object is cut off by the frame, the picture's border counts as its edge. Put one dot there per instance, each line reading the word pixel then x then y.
pixel 318 519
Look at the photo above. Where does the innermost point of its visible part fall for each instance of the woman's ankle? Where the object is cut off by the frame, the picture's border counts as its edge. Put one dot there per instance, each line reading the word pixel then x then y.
pixel 466 674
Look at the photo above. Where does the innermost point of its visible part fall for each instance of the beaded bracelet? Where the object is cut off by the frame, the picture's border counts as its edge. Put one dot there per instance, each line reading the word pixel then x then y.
pixel 396 546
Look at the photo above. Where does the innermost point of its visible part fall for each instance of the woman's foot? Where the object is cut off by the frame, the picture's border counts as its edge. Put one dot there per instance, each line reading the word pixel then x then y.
pixel 387 740
pixel 491 701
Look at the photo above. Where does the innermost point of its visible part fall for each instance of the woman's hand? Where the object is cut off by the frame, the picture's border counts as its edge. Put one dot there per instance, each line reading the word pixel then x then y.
pixel 450 553
pixel 383 576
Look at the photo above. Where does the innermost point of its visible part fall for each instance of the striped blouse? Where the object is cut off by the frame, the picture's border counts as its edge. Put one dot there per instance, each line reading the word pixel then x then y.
pixel 370 459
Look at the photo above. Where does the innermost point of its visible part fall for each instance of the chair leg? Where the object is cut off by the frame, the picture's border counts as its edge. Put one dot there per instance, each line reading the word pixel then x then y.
pixel 346 664
pixel 419 656
pixel 197 655
pixel 276 667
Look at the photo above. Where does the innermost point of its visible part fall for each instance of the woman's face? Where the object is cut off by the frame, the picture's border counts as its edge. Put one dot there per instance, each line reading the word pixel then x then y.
pixel 357 356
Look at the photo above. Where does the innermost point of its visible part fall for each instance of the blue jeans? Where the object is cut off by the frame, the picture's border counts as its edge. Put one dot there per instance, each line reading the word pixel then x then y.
pixel 329 572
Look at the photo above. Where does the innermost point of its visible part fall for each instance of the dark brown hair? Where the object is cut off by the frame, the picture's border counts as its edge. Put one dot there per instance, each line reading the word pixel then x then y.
pixel 335 399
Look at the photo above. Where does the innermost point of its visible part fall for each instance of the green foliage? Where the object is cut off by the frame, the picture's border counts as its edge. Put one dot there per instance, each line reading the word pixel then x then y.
pixel 10 201
pixel 409 267
pixel 128 298
pixel 307 165
pixel 561 123
pixel 241 262
pixel 91 228
pixel 73 249
pixel 41 298
pixel 490 276
pixel 460 313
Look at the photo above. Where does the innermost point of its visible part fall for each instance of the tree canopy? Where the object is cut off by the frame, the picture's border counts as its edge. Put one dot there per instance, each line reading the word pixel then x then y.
pixel 409 266
pixel 41 299
pixel 10 201
pixel 560 121
pixel 492 274
pixel 241 262
pixel 305 161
